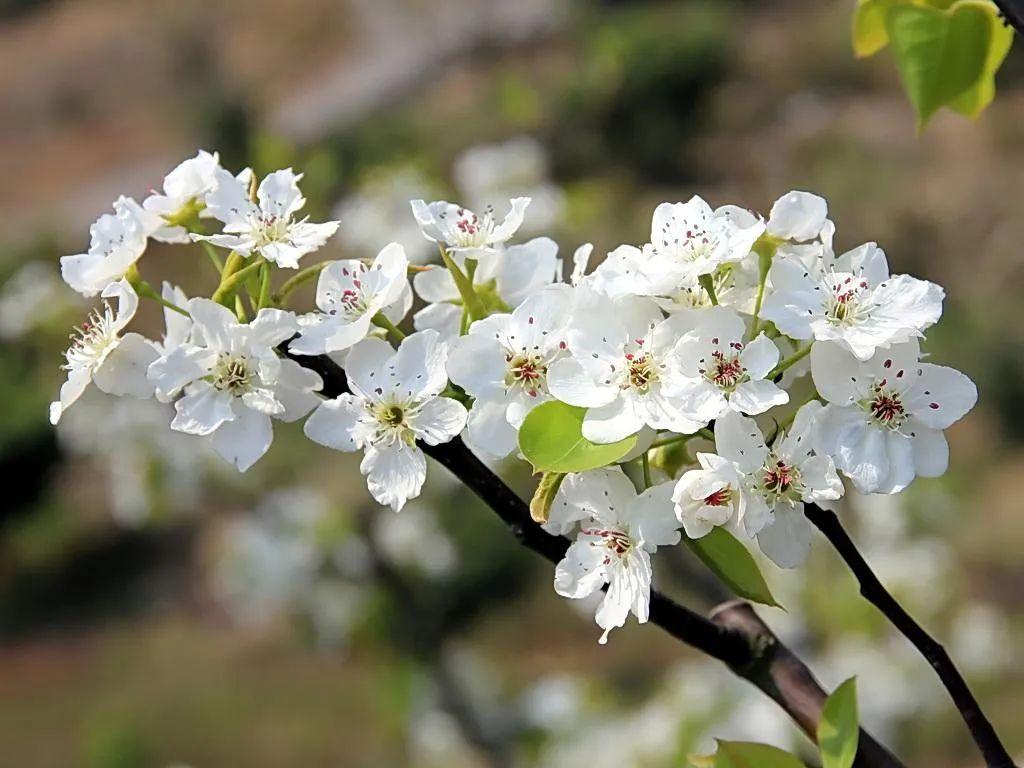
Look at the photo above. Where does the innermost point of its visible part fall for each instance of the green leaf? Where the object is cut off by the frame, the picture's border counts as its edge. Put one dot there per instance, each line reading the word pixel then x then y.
pixel 940 53
pixel 980 95
pixel 838 730
pixel 732 562
pixel 745 754
pixel 869 34
pixel 552 440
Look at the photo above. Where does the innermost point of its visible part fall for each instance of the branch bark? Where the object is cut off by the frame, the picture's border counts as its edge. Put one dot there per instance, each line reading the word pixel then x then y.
pixel 1012 12
pixel 874 592
pixel 735 635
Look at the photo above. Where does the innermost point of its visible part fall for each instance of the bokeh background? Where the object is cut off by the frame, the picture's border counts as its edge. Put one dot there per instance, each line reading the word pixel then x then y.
pixel 157 609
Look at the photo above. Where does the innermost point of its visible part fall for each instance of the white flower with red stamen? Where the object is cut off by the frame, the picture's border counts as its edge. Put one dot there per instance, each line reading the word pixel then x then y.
pixel 618 532
pixel 395 401
pixel 777 480
pixel 183 196
pixel 232 380
pixel 721 372
pixel 852 301
pixel 99 353
pixel 503 363
pixel 687 240
pixel 117 241
pixel 884 419
pixel 349 294
pixel 502 283
pixel 624 367
pixel 710 496
pixel 268 226
pixel 462 231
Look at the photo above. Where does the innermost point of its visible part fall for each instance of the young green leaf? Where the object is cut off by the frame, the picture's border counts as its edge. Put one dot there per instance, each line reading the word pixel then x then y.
pixel 745 754
pixel 980 95
pixel 733 564
pixel 940 53
pixel 551 438
pixel 869 35
pixel 839 730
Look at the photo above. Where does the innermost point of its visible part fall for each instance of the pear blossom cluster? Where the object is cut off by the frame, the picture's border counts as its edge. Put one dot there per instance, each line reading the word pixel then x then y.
pixel 754 369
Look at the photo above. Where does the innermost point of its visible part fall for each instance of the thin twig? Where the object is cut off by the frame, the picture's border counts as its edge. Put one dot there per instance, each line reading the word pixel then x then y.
pixel 874 592
pixel 754 656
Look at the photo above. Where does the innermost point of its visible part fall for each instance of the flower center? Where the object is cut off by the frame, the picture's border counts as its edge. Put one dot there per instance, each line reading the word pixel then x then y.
pixel 843 305
pixel 527 371
pixel 885 407
pixel 615 540
pixel 272 228
pixel 392 422
pixel 469 230
pixel 720 498
pixel 641 373
pixel 779 480
pixel 726 371
pixel 91 341
pixel 232 374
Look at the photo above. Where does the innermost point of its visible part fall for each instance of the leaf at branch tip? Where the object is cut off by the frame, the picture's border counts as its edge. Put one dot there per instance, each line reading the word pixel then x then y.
pixel 972 101
pixel 745 754
pixel 869 35
pixel 544 496
pixel 732 562
pixel 839 731
pixel 551 438
pixel 940 53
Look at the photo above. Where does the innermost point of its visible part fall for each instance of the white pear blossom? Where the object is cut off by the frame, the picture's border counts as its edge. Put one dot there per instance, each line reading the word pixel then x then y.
pixel 461 231
pixel 268 226
pixel 395 401
pixel 853 302
pixel 183 196
pixel 777 480
pixel 117 241
pixel 884 418
pixel 349 294
pixel 232 380
pixel 99 353
pixel 502 283
pixel 503 363
pixel 624 368
pixel 722 373
pixel 618 532
pixel 710 496
pixel 799 220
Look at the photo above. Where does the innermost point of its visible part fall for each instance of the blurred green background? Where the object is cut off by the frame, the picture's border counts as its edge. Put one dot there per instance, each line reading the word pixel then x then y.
pixel 157 609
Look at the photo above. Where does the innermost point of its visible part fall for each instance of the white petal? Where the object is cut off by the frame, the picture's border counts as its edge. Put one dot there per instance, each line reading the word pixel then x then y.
pixel 612 422
pixel 931 453
pixel 365 367
pixel 435 284
pixel 739 440
pixel 217 323
pixel 581 572
pixel 513 220
pixel 202 410
pixel 602 494
pixel 294 390
pixel 652 519
pixel 72 389
pixel 788 539
pixel 243 441
pixel 488 429
pixel 943 396
pixel 797 216
pixel 571 383
pixel 123 372
pixel 394 473
pixel 754 397
pixel 760 356
pixel 439 420
pixel 279 195
pixel 333 423
pixel 477 363
pixel 418 366
pixel 837 374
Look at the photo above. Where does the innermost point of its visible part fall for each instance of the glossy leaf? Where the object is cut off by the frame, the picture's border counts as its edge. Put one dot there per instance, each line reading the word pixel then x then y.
pixel 869 33
pixel 732 562
pixel 980 95
pixel 551 438
pixel 745 754
pixel 940 54
pixel 839 731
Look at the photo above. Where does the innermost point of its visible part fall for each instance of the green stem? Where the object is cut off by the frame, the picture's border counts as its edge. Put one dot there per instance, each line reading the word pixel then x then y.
pixel 214 257
pixel 790 361
pixel 645 465
pixel 233 280
pixel 302 277
pixel 240 312
pixel 263 299
pixel 470 300
pixel 382 322
pixel 707 282
pixel 706 433
pixel 765 249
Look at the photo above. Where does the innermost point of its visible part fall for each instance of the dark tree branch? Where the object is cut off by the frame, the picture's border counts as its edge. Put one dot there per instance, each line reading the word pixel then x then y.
pixel 871 588
pixel 735 636
pixel 1012 12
